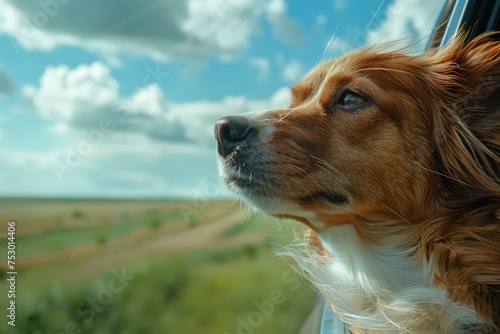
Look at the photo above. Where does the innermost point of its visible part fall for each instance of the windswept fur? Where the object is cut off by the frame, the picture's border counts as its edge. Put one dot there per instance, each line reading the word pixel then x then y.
pixel 393 162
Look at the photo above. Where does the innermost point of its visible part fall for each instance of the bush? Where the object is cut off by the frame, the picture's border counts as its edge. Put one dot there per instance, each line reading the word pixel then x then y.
pixel 101 239
pixel 154 222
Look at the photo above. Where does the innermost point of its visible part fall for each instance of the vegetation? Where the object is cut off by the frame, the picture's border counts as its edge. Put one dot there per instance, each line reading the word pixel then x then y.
pixel 140 267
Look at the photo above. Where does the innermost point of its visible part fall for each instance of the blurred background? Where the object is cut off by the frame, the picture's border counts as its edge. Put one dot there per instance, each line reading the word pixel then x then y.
pixel 108 158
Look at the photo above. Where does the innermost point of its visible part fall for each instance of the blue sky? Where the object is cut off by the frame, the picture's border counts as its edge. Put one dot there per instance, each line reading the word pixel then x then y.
pixel 118 98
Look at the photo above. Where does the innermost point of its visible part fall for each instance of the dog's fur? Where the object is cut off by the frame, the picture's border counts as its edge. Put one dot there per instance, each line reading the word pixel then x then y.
pixel 392 161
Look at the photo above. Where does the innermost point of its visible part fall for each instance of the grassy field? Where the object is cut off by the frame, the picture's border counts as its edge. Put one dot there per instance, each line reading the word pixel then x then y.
pixel 110 266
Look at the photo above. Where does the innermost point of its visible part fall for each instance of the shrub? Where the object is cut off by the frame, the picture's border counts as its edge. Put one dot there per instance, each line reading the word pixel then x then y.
pixel 101 239
pixel 154 222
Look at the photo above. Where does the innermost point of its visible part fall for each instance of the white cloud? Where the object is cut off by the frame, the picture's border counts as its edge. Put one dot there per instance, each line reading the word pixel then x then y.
pixel 130 158
pixel 407 23
pixel 292 72
pixel 65 93
pixel 157 28
pixel 83 97
pixel 152 147
pixel 80 99
pixel 403 24
pixel 262 64
pixel 228 24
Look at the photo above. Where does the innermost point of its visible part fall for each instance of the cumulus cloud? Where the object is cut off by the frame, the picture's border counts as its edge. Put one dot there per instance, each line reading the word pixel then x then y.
pixel 146 139
pixel 80 99
pixel 403 24
pixel 159 28
pixel 409 21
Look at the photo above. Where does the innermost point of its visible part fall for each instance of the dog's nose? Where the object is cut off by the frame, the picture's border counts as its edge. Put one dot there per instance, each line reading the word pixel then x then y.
pixel 230 131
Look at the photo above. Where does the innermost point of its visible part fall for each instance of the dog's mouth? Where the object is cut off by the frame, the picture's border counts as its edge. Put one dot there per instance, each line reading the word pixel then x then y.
pixel 248 183
pixel 328 197
pixel 242 166
pixel 242 183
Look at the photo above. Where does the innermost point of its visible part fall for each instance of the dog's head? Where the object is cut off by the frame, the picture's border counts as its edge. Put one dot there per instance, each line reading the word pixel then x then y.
pixel 371 134
pixel 404 148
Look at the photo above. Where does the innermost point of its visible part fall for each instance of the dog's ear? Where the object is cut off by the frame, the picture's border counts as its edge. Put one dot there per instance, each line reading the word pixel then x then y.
pixel 466 134
pixel 466 142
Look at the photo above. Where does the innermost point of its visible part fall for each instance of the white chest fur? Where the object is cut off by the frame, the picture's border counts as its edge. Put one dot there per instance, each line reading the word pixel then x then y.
pixel 380 289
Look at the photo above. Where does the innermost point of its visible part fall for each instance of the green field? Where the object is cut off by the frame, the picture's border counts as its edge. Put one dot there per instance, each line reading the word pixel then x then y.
pixel 114 266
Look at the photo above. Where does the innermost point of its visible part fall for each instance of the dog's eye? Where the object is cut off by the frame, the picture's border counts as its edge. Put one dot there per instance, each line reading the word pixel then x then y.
pixel 351 99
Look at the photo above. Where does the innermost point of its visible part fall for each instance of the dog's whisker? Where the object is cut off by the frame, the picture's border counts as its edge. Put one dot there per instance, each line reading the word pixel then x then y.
pixel 286 115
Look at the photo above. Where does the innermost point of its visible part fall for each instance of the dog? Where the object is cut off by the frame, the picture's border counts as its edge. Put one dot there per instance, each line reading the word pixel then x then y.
pixel 391 161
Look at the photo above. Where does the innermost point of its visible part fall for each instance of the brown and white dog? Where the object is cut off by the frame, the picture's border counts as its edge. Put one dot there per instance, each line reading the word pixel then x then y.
pixel 392 161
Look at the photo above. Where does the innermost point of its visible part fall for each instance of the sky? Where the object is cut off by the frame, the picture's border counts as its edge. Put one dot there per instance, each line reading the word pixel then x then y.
pixel 118 98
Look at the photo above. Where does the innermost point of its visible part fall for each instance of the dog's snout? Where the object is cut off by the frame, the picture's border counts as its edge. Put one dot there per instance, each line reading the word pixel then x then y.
pixel 230 132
